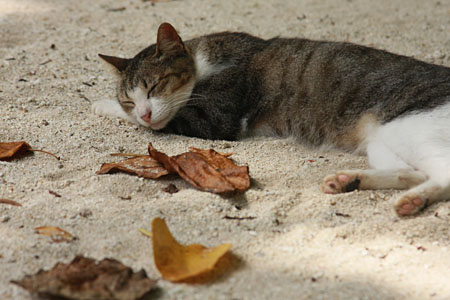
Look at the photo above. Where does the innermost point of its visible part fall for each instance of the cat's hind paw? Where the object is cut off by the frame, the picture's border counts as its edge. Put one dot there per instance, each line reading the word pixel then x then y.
pixel 341 182
pixel 409 204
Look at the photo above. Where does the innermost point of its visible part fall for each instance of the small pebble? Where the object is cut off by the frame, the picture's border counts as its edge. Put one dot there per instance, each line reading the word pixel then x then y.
pixel 85 213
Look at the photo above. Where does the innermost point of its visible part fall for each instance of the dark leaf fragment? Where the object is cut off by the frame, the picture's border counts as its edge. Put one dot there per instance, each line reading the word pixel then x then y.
pixel 171 189
pixel 86 279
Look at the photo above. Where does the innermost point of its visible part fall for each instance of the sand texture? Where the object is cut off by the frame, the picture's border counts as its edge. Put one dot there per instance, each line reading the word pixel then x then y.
pixel 301 244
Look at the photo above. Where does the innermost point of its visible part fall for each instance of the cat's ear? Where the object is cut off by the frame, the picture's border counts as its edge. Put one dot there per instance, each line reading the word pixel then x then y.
pixel 118 63
pixel 168 41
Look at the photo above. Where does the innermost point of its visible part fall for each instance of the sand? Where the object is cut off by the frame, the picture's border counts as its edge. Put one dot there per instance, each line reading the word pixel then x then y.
pixel 301 244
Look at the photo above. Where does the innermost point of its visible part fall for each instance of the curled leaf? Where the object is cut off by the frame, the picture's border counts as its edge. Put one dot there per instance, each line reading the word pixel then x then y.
pixel 142 166
pixel 84 278
pixel 207 170
pixel 236 175
pixel 177 262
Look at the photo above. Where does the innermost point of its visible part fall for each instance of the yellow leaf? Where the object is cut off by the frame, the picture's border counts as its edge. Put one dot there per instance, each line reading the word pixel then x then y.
pixel 177 262
pixel 145 232
pixel 57 234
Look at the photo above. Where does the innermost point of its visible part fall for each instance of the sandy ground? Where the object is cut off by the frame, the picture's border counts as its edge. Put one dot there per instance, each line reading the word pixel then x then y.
pixel 301 244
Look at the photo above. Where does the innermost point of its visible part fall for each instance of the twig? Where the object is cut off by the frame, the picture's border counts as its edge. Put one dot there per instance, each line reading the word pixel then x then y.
pixel 128 154
pixel 85 98
pixel 54 194
pixel 10 202
pixel 45 62
pixel 342 215
pixel 116 9
pixel 46 152
pixel 239 218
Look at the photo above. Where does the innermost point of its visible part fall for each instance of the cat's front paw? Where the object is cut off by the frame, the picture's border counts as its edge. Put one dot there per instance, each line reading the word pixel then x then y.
pixel 341 182
pixel 409 203
pixel 104 107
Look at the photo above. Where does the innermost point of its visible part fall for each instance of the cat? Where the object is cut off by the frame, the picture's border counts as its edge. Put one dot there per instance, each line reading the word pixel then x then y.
pixel 229 85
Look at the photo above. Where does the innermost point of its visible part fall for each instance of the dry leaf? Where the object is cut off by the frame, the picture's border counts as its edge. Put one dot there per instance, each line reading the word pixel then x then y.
pixel 12 149
pixel 207 170
pixel 177 262
pixel 236 175
pixel 84 278
pixel 10 202
pixel 57 234
pixel 142 166
pixel 15 149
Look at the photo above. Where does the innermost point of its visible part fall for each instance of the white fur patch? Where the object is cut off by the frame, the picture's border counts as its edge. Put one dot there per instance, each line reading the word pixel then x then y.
pixel 163 110
pixel 420 141
pixel 142 105
pixel 204 68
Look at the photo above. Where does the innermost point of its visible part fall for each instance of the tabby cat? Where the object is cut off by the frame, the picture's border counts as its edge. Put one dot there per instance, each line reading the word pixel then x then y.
pixel 229 85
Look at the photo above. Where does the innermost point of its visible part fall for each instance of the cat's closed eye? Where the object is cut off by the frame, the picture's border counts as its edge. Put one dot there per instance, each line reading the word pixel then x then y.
pixel 151 90
pixel 128 103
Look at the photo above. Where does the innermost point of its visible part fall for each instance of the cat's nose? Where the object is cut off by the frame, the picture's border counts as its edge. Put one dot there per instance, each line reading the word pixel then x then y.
pixel 147 117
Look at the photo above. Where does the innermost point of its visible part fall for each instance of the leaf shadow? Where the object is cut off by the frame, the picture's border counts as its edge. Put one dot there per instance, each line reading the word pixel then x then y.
pixel 155 293
pixel 227 265
pixel 239 200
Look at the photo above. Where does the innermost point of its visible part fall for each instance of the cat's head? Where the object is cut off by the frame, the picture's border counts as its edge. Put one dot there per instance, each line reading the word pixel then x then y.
pixel 157 82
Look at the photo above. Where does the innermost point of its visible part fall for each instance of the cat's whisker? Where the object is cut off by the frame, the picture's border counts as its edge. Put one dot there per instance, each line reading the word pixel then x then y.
pixel 172 103
pixel 189 95
pixel 177 105
pixel 183 98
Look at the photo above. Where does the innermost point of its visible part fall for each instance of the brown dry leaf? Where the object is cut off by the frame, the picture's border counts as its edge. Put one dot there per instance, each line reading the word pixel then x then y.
pixel 13 149
pixel 10 202
pixel 207 170
pixel 57 234
pixel 177 262
pixel 236 175
pixel 84 278
pixel 142 166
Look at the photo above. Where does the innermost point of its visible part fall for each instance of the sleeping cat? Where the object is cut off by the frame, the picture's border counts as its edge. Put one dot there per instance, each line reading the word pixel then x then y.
pixel 229 85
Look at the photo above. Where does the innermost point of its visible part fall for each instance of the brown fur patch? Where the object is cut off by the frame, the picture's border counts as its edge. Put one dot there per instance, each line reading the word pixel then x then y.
pixel 354 136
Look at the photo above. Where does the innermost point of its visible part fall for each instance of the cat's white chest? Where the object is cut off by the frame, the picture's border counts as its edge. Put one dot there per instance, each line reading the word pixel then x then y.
pixel 204 67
